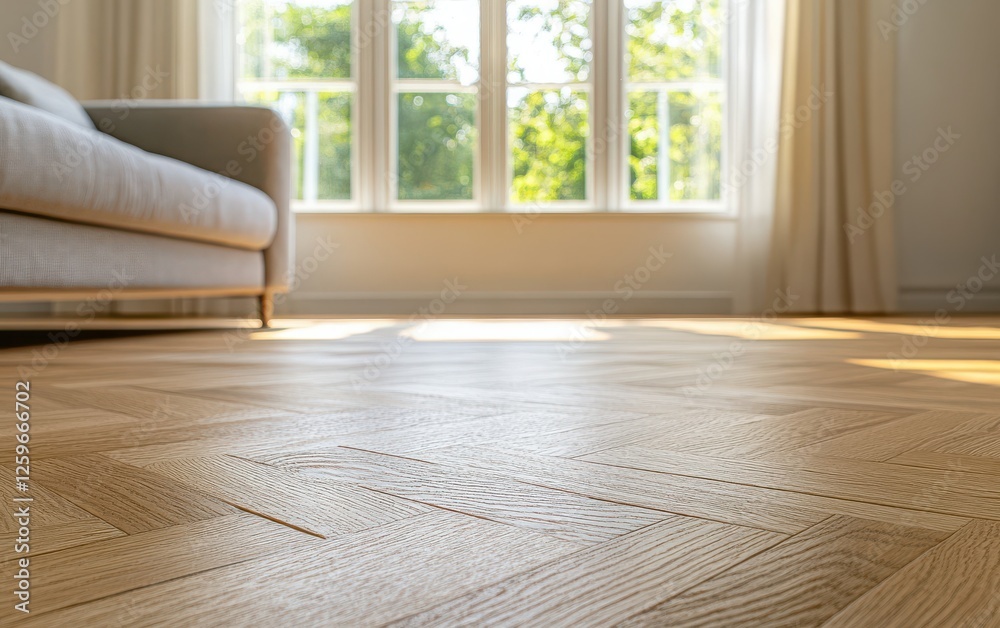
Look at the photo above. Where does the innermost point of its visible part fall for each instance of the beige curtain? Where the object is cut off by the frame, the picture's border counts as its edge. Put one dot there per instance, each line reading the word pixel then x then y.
pixel 832 240
pixel 131 49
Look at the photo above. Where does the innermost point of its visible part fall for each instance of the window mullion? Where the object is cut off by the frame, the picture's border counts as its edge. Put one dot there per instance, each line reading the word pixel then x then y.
pixel 599 98
pixel 493 105
pixel 374 46
pixel 365 98
pixel 614 131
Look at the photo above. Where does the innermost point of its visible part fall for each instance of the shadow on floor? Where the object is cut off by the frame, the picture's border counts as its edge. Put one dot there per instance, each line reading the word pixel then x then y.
pixel 18 338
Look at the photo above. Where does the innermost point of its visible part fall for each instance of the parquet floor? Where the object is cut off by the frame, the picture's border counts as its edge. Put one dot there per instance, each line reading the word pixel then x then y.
pixel 650 472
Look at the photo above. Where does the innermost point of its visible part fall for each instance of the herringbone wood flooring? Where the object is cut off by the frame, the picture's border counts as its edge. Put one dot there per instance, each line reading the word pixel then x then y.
pixel 656 472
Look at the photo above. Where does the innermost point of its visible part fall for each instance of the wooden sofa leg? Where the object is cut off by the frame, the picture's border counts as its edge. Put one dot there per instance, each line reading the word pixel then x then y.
pixel 266 309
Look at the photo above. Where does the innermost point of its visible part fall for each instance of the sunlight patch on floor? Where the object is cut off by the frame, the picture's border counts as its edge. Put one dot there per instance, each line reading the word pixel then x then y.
pixel 970 371
pixel 930 329
pixel 302 329
pixel 542 330
pixel 748 329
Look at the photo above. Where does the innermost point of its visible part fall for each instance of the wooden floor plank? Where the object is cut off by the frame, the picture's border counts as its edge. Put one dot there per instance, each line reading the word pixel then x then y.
pixel 955 584
pixel 802 582
pixel 362 579
pixel 132 500
pixel 716 501
pixel 776 434
pixel 489 473
pixel 893 438
pixel 955 493
pixel 49 508
pixel 53 538
pixel 96 570
pixel 607 583
pixel 322 507
pixel 949 462
pixel 562 515
pixel 724 499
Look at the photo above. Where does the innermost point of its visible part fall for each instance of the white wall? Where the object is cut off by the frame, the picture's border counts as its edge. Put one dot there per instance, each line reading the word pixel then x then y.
pixel 949 76
pixel 554 264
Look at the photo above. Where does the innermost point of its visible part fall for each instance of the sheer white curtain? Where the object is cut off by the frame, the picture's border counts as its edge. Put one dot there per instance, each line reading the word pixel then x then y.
pixel 217 50
pixel 757 32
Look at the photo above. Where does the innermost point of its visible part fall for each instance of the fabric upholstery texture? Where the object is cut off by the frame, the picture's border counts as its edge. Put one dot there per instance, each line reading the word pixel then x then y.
pixel 38 253
pixel 56 169
pixel 31 89
pixel 249 144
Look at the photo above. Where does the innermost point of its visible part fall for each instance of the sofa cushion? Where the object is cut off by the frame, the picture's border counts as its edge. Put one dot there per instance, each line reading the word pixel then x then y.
pixel 31 89
pixel 53 168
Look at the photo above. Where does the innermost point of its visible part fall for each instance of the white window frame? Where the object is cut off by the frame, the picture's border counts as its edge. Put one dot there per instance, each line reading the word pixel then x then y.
pixel 375 102
pixel 721 85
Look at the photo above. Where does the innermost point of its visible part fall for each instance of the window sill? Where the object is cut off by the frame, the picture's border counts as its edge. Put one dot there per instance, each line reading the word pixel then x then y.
pixel 437 210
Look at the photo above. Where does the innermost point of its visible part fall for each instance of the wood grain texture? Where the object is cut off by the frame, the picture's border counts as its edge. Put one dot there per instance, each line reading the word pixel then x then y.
pixel 884 441
pixel 56 537
pixel 728 500
pixel 949 462
pixel 560 514
pixel 673 494
pixel 490 473
pixel 801 582
pixel 99 569
pixel 321 507
pixel 605 584
pixel 130 499
pixel 929 490
pixel 777 434
pixel 363 579
pixel 955 584
pixel 50 508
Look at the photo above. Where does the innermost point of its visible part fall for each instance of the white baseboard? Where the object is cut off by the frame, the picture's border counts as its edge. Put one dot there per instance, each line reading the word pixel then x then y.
pixel 507 303
pixel 928 300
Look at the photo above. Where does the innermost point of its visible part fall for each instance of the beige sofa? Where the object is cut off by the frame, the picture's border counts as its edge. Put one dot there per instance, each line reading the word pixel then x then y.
pixel 143 200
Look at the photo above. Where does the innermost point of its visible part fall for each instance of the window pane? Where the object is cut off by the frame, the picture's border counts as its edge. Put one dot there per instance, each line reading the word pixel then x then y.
pixel 324 171
pixel 302 39
pixel 644 130
pixel 335 147
pixel 676 140
pixel 548 138
pixel 437 39
pixel 671 40
pixel 548 41
pixel 437 144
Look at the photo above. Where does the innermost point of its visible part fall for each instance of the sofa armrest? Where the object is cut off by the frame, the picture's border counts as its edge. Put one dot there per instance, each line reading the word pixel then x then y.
pixel 249 144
